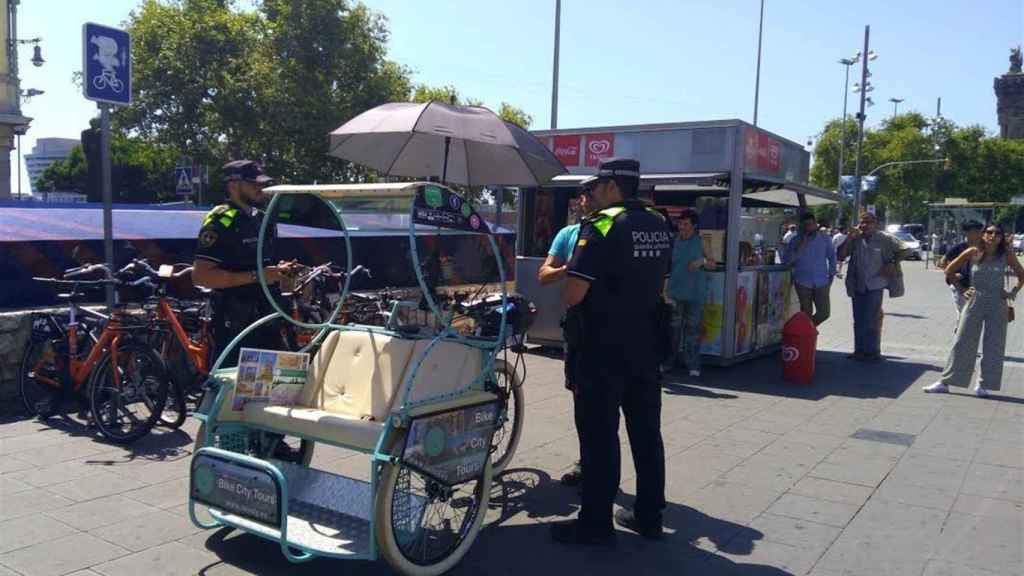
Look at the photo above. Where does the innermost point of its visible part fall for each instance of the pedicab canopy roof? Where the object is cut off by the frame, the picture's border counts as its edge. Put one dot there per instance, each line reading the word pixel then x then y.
pixel 430 203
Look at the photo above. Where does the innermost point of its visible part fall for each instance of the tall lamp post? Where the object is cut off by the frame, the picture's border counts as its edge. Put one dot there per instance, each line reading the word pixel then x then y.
pixel 757 77
pixel 895 105
pixel 863 88
pixel 554 71
pixel 847 62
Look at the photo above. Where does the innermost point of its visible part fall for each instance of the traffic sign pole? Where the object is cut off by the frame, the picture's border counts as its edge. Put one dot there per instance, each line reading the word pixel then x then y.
pixel 108 219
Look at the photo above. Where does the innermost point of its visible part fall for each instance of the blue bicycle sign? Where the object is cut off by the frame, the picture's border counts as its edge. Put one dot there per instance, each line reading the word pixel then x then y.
pixel 106 64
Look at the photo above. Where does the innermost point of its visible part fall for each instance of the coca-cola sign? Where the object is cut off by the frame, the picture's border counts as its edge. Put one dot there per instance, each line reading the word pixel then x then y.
pixel 567 149
pixel 762 152
pixel 599 147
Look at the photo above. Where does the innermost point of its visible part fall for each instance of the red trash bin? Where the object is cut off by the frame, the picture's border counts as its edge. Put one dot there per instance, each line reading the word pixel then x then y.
pixel 799 343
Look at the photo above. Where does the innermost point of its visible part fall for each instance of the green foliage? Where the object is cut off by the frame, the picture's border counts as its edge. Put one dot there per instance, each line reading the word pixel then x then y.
pixel 981 168
pixel 67 175
pixel 449 94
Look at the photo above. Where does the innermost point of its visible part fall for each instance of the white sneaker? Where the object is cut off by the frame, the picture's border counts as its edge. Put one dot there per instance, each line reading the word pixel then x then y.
pixel 695 373
pixel 980 392
pixel 937 388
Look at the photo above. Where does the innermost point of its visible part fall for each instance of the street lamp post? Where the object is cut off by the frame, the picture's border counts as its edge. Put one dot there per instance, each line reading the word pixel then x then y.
pixel 847 62
pixel 864 89
pixel 554 72
pixel 895 105
pixel 757 77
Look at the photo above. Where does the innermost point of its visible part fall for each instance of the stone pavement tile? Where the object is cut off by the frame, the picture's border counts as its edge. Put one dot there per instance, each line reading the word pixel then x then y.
pixel 62 452
pixel 682 430
pixel 995 482
pixel 886 538
pixel 870 449
pixel 30 502
pixel 773 424
pixel 159 472
pixel 988 542
pixel 9 486
pixel 903 422
pixel 7 572
pixel 100 512
pixel 982 506
pixel 710 455
pixel 1005 431
pixel 947 444
pixel 84 573
pixel 816 439
pixel 59 473
pixel 95 486
pixel 30 530
pixel 962 423
pixel 831 490
pixel 814 510
pixel 732 502
pixel 1011 455
pixel 794 451
pixel 166 494
pixel 10 464
pixel 147 531
pixel 767 555
pixel 930 472
pixel 774 476
pixel 795 531
pixel 61 556
pixel 747 435
pixel 1009 411
pixel 851 470
pixel 896 491
pixel 171 559
pixel 944 568
pixel 31 442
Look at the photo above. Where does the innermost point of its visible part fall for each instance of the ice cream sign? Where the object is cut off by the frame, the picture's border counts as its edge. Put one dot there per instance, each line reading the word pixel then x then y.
pixel 595 148
pixel 762 152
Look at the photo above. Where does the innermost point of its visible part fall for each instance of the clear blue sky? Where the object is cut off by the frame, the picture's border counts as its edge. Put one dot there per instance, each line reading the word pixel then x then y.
pixel 636 62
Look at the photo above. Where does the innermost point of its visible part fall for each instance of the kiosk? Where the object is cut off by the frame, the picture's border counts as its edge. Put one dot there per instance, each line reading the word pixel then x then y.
pixel 744 182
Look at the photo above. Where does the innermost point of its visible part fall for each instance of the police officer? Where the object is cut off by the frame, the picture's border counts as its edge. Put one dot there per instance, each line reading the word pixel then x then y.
pixel 225 260
pixel 615 280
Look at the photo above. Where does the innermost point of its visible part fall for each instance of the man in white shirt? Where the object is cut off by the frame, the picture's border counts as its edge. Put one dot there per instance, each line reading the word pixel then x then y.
pixel 837 240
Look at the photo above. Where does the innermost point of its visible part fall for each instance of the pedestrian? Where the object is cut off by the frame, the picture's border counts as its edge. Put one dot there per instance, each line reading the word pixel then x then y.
pixel 616 279
pixel 790 232
pixel 225 261
pixel 553 270
pixel 686 291
pixel 873 263
pixel 813 258
pixel 837 240
pixel 960 280
pixel 988 307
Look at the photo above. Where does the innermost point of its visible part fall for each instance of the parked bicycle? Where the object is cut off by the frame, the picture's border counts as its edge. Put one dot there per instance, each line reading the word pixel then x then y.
pixel 103 360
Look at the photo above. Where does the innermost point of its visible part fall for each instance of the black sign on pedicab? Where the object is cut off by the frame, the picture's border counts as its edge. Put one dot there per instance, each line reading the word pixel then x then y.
pixel 439 206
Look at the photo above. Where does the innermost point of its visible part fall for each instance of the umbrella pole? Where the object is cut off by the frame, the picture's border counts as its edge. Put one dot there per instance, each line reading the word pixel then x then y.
pixel 444 171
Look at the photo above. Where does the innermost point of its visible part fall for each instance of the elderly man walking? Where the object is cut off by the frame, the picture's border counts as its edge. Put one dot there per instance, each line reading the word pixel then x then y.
pixel 813 258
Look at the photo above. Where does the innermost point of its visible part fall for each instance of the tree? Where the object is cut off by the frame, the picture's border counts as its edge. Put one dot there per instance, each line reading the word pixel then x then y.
pixel 67 175
pixel 982 168
pixel 448 94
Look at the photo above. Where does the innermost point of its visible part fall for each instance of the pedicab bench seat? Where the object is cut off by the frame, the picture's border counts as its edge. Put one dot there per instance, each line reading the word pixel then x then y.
pixel 358 378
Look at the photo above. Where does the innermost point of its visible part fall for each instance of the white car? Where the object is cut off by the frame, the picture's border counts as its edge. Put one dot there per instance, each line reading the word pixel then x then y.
pixel 909 241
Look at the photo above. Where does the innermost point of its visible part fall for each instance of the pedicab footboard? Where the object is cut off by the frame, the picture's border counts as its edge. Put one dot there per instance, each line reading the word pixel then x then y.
pixel 320 512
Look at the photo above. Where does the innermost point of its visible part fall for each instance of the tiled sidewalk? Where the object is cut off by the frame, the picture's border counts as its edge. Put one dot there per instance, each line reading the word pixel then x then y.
pixel 859 475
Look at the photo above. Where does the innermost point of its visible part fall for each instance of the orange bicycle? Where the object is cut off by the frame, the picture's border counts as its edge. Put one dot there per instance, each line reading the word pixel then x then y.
pixel 121 377
pixel 181 332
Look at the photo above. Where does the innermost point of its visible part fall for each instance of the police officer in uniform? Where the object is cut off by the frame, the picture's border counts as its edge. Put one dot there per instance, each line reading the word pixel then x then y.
pixel 225 261
pixel 615 281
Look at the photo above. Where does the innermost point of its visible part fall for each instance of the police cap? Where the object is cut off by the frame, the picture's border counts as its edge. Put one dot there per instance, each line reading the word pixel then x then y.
pixel 247 170
pixel 617 168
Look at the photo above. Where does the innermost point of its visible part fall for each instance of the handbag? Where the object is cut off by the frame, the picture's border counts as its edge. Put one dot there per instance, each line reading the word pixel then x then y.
pixel 1010 315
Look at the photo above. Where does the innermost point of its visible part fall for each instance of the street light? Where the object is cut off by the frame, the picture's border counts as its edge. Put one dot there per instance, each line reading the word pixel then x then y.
pixel 869 56
pixel 847 62
pixel 895 105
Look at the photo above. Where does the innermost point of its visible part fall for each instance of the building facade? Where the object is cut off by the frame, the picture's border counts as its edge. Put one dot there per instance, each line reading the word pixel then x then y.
pixel 46 152
pixel 12 122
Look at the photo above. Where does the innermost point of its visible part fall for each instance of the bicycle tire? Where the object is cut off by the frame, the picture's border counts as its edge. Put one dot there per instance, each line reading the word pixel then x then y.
pixel 512 389
pixel 151 385
pixel 29 388
pixel 177 402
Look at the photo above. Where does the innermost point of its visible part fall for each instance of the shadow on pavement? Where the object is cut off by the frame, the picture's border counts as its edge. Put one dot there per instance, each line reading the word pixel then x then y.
pixel 677 389
pixel 835 375
pixel 902 315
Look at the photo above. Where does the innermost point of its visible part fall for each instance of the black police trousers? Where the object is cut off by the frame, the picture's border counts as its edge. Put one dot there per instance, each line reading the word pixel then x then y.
pixel 234 315
pixel 604 389
pixel 570 357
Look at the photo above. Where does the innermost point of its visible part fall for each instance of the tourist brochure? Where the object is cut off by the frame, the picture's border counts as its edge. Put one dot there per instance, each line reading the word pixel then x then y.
pixel 270 377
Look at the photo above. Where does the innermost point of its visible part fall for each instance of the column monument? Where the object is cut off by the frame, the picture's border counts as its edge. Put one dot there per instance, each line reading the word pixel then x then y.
pixel 1010 98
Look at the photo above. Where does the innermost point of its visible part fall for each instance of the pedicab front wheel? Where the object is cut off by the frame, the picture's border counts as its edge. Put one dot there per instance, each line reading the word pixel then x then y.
pixel 424 528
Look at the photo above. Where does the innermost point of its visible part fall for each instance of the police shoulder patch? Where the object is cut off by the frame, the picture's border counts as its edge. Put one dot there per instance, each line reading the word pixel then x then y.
pixel 582 242
pixel 207 238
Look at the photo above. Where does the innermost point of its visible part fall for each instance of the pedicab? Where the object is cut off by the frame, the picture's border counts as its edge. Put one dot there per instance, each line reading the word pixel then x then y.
pixel 421 403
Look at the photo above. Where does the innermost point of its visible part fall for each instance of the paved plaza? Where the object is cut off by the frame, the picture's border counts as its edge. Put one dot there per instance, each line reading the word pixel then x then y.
pixel 860 474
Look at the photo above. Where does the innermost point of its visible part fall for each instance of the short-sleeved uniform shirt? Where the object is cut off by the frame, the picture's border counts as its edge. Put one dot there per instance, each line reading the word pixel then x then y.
pixel 564 242
pixel 229 238
pixel 624 252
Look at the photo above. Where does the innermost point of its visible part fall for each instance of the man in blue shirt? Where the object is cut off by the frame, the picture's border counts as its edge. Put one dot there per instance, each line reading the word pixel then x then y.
pixel 554 270
pixel 686 288
pixel 813 258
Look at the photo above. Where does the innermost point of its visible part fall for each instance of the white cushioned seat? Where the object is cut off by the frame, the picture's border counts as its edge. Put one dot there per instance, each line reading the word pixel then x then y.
pixel 316 424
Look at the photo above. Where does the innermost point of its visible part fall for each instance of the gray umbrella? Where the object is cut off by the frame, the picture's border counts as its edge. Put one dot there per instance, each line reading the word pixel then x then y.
pixel 466 145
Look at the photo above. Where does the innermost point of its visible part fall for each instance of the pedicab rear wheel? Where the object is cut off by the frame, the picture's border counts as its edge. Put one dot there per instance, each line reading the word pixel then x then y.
pixel 431 541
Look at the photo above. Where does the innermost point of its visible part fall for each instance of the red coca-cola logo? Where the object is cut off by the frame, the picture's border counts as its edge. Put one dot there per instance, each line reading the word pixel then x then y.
pixel 599 147
pixel 762 152
pixel 567 149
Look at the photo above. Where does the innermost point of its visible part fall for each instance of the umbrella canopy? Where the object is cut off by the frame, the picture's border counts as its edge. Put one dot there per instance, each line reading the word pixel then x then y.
pixel 466 145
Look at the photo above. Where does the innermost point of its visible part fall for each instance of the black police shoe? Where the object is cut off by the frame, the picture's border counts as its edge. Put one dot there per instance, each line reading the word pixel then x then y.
pixel 628 520
pixel 571 532
pixel 573 477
